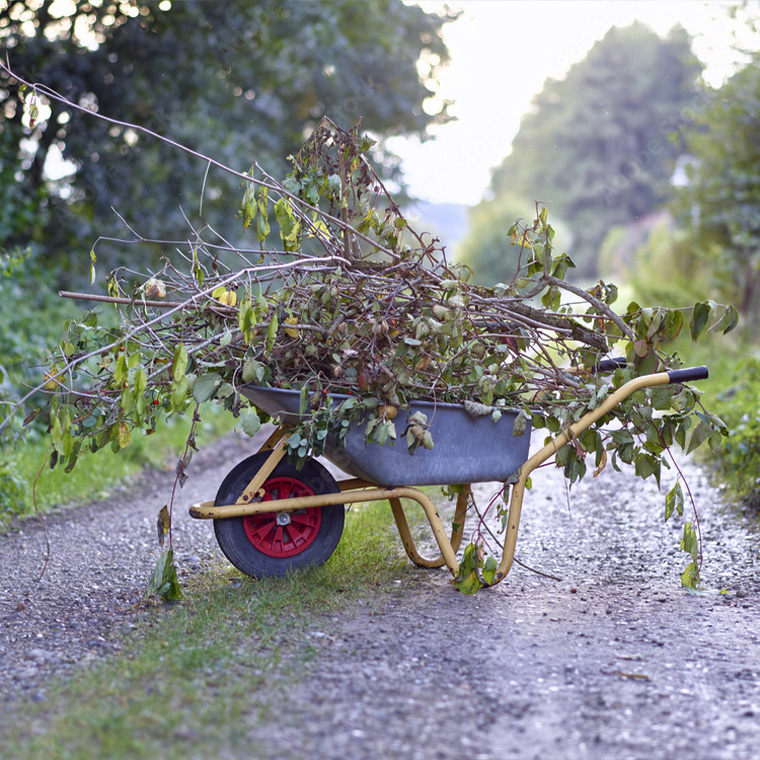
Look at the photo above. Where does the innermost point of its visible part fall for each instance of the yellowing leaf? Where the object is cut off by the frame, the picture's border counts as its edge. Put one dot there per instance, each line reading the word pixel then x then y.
pixel 124 436
pixel 155 288
pixel 51 382
pixel 228 298
pixel 289 331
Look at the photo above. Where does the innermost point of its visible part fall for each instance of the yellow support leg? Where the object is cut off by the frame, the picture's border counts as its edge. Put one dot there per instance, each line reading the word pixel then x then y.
pixel 276 443
pixel 457 531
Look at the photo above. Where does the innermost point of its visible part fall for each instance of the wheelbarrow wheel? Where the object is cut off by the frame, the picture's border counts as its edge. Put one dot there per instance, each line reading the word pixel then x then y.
pixel 277 543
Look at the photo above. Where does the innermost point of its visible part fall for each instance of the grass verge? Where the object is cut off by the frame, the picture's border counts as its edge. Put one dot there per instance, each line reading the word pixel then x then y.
pixel 196 678
pixel 97 474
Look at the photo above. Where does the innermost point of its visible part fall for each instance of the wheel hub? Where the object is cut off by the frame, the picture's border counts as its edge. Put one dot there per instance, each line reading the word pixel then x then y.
pixel 283 534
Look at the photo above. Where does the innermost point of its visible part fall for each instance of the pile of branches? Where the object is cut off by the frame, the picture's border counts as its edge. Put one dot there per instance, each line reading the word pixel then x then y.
pixel 340 295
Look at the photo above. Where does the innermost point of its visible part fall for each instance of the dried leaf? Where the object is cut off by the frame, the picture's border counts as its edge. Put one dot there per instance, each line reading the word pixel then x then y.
pixel 163 523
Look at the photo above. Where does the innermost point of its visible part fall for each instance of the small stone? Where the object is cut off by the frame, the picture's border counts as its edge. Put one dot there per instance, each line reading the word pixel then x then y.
pixel 38 655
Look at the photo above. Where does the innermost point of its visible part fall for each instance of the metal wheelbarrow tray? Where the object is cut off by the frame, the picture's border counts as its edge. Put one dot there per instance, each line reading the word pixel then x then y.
pixel 271 518
pixel 497 453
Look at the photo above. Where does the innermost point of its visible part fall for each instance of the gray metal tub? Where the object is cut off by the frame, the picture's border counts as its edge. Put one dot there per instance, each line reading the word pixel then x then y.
pixel 467 449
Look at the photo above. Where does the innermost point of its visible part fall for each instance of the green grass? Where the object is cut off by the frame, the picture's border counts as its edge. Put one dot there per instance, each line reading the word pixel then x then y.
pixel 97 474
pixel 196 678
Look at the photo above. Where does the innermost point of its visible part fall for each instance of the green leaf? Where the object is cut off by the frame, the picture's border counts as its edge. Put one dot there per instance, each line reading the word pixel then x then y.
pixel 489 570
pixel 290 226
pixel 249 423
pixel 699 316
pixel 253 371
pixel 674 501
pixel 164 581
pixel 690 541
pixel 656 323
pixel 646 465
pixel 178 399
pixel 272 332
pixel 140 383
pixel 303 400
pixel 728 320
pixel 671 326
pixel 262 219
pixel 246 319
pixel 698 436
pixel 205 386
pixel 248 205
pixel 120 372
pixel 466 579
pixel 521 423
pixel 690 576
pixel 179 364
pixel 73 455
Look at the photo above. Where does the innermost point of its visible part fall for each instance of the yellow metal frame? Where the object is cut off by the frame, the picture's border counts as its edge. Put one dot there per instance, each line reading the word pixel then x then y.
pixel 356 491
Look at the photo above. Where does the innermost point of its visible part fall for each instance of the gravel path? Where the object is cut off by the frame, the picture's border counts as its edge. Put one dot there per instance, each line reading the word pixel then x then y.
pixel 101 558
pixel 615 660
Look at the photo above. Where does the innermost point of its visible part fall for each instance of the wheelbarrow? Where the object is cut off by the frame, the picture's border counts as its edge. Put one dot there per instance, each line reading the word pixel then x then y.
pixel 271 518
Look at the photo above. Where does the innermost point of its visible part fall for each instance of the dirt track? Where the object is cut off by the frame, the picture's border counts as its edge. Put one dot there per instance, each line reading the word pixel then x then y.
pixel 615 660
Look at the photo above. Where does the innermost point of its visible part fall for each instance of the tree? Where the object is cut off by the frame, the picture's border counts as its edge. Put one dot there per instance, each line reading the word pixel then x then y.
pixel 243 81
pixel 596 143
pixel 720 203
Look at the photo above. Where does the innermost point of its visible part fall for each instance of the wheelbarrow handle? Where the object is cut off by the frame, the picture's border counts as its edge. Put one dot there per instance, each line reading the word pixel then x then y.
pixel 688 374
pixel 610 365
pixel 556 443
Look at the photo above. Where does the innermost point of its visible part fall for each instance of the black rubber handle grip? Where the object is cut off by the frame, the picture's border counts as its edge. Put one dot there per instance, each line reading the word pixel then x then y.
pixel 688 375
pixel 610 365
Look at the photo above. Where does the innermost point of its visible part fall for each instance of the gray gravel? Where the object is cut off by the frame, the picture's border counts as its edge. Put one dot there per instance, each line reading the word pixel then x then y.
pixel 615 660
pixel 101 558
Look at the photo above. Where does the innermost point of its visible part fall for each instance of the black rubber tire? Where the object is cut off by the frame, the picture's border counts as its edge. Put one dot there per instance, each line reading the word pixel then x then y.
pixel 231 533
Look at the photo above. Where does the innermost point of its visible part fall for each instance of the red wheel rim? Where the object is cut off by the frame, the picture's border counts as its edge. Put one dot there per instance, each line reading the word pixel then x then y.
pixel 276 540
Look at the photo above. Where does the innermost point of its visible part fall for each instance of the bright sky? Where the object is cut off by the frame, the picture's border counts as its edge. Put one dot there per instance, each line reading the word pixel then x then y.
pixel 501 53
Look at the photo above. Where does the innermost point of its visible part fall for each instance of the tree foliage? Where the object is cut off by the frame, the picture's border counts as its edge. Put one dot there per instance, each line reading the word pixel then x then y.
pixel 720 202
pixel 240 78
pixel 596 143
